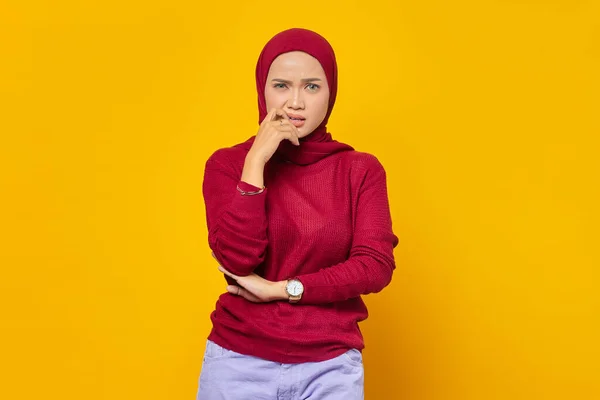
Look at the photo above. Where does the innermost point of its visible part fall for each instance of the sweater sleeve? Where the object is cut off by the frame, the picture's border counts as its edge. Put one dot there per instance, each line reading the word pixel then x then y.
pixel 371 262
pixel 237 224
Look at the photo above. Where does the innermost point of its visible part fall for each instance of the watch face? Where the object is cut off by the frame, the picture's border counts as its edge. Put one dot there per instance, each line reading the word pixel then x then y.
pixel 295 288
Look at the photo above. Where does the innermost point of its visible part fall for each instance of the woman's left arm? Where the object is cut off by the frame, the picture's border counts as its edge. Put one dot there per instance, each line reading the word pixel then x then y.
pixel 371 262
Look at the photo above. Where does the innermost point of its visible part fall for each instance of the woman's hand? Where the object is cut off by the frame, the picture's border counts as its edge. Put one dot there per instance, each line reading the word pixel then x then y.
pixel 273 129
pixel 255 288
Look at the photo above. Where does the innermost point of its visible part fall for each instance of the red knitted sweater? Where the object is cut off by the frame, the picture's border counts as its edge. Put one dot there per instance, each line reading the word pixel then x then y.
pixel 326 222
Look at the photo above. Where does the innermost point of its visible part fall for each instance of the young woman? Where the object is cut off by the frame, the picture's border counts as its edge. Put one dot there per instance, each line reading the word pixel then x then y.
pixel 300 225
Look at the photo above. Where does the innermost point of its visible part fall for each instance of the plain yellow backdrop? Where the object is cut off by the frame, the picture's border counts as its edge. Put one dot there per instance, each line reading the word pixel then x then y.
pixel 484 113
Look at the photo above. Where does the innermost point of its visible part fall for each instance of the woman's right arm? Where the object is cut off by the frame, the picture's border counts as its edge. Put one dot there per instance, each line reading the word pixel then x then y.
pixel 237 223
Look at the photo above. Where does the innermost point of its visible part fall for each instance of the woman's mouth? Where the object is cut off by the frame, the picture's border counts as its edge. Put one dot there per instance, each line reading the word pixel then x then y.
pixel 296 120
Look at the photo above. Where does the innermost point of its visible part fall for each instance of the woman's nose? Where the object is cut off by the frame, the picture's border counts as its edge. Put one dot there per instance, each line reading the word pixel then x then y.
pixel 295 100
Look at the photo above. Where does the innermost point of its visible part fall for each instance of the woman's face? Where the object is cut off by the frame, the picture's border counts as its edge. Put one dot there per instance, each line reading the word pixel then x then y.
pixel 297 84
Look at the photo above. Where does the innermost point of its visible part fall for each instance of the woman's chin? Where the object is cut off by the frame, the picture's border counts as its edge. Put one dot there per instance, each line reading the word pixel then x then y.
pixel 303 132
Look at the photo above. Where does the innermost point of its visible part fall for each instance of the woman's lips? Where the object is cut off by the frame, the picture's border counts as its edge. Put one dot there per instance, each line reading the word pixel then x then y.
pixel 297 122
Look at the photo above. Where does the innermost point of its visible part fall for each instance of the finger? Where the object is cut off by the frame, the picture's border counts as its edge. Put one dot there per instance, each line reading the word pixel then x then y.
pixel 250 297
pixel 280 115
pixel 234 289
pixel 283 127
pixel 223 270
pixel 290 135
pixel 240 291
pixel 289 123
pixel 270 116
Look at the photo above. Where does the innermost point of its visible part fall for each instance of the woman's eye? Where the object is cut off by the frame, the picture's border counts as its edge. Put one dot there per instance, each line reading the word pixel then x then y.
pixel 312 86
pixel 279 85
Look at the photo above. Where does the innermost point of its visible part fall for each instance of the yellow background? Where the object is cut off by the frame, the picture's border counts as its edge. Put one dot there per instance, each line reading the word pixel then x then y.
pixel 484 113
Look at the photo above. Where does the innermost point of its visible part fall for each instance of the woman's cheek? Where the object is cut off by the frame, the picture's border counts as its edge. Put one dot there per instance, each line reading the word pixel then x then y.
pixel 274 100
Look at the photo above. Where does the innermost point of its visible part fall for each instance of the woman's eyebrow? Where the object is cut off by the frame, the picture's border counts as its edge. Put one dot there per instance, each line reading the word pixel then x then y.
pixel 303 80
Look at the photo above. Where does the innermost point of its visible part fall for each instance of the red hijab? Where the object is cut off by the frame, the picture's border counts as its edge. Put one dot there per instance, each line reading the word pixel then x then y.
pixel 319 143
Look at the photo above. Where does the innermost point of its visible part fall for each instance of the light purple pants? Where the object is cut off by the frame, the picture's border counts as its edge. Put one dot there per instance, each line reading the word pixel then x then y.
pixel 227 375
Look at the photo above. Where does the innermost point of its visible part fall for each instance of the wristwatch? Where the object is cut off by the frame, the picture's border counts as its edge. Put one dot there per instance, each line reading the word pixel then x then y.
pixel 294 289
